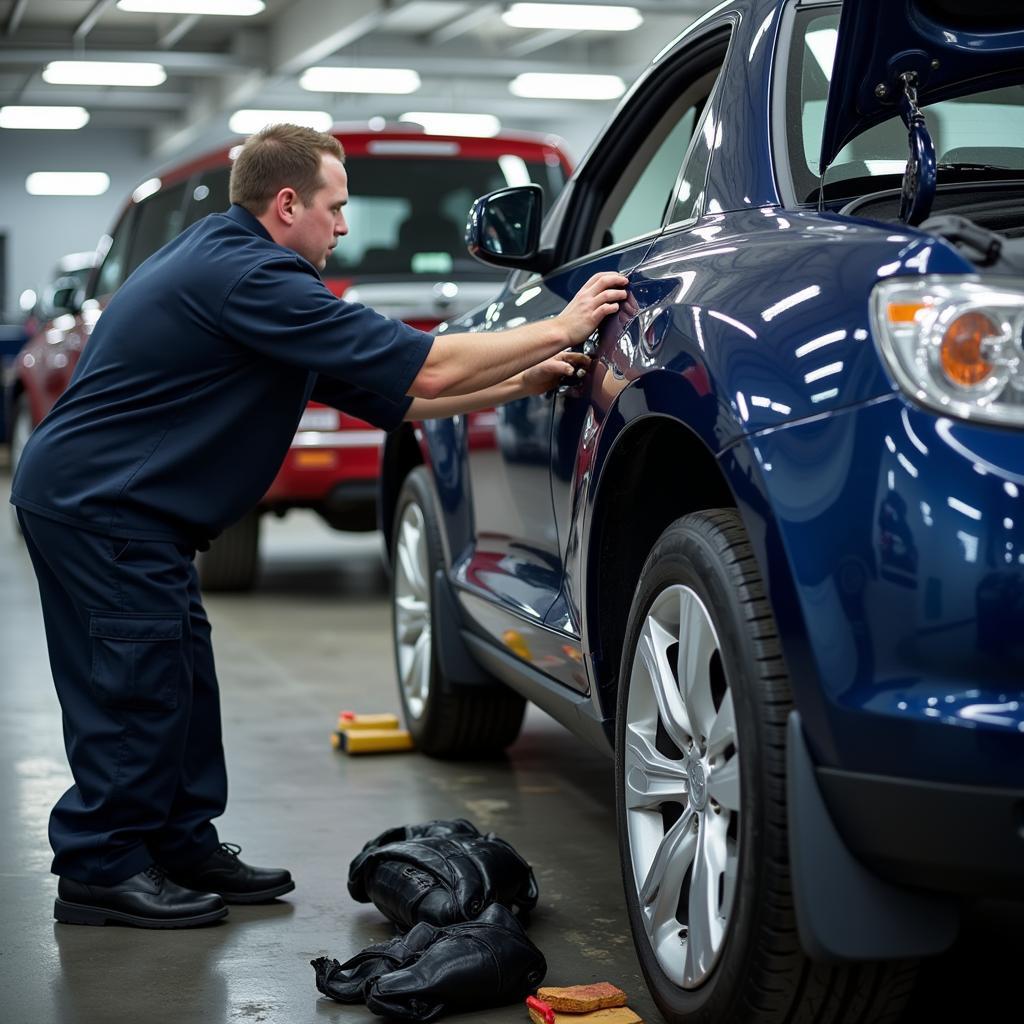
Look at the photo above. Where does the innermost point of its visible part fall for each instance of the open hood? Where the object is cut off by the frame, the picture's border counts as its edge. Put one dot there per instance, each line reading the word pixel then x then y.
pixel 950 47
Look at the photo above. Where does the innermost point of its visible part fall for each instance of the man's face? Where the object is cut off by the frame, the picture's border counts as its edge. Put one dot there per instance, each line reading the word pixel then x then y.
pixel 317 227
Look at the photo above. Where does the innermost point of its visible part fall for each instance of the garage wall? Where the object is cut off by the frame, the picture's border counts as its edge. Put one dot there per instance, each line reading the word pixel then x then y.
pixel 42 228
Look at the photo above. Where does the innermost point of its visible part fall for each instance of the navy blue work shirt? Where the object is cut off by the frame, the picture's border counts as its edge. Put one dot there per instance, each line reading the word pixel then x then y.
pixel 187 396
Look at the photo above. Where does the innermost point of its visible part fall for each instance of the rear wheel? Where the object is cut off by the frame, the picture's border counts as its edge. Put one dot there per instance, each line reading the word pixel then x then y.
pixel 445 720
pixel 701 798
pixel 233 559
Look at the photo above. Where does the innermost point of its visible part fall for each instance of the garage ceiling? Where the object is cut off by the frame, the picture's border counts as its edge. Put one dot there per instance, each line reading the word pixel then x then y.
pixel 464 52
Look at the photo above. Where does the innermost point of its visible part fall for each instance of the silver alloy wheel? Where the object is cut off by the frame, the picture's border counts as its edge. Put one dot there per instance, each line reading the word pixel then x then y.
pixel 684 864
pixel 412 609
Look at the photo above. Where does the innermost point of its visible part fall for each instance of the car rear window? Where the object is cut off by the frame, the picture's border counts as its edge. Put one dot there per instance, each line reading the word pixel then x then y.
pixel 407 214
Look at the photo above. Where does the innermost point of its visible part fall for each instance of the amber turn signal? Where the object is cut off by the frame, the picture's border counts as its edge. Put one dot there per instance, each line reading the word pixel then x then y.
pixel 961 354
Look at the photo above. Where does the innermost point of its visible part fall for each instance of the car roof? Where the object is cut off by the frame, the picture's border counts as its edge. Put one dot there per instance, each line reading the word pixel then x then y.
pixel 360 140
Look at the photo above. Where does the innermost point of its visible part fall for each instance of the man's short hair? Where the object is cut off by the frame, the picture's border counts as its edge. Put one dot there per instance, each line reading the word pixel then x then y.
pixel 280 156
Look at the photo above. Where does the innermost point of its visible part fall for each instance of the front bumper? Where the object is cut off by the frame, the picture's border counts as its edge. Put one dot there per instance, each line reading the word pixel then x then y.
pixel 903 535
pixel 938 836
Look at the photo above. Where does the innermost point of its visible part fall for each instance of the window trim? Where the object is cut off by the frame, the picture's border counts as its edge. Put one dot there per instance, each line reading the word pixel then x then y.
pixel 708 52
pixel 698 130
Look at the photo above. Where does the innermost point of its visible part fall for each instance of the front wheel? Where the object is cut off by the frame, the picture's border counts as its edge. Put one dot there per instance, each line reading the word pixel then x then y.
pixel 701 797
pixel 444 720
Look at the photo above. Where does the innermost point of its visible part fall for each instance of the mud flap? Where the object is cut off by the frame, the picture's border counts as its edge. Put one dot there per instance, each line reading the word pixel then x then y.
pixel 845 912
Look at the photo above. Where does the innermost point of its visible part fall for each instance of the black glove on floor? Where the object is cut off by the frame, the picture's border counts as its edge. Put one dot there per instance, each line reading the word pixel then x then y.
pixel 444 872
pixel 469 966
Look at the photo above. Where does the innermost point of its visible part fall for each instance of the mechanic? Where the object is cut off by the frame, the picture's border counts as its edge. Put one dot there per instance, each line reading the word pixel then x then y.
pixel 175 422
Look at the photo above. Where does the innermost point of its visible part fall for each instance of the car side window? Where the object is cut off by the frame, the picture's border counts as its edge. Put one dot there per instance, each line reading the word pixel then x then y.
pixel 113 269
pixel 209 195
pixel 649 189
pixel 159 220
pixel 688 198
pixel 637 202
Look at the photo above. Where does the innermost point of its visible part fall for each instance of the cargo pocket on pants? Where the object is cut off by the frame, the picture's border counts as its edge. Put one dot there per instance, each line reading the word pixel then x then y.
pixel 136 660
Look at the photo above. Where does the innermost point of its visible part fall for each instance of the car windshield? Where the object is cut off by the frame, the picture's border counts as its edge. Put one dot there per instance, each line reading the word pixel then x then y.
pixel 407 215
pixel 982 128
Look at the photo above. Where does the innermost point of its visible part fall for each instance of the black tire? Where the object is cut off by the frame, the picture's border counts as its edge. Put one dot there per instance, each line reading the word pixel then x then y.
pixel 233 560
pixel 445 720
pixel 758 973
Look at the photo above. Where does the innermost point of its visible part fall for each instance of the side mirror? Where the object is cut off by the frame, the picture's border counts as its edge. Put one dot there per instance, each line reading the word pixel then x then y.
pixel 504 228
pixel 67 296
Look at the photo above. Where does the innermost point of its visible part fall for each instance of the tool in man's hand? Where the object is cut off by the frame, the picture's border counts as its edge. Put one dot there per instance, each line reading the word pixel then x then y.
pixel 369 734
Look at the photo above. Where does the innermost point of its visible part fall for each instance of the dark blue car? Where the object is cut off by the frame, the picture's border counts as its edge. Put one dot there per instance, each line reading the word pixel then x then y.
pixel 770 550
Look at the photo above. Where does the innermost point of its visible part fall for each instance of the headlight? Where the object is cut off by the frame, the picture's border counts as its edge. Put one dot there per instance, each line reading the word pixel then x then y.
pixel 955 344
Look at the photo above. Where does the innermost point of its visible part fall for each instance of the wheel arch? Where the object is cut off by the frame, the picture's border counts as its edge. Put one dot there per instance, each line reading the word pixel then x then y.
pixel 642 453
pixel 640 457
pixel 401 454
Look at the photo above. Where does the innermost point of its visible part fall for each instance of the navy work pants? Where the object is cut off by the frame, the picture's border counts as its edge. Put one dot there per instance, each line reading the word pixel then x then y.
pixel 132 661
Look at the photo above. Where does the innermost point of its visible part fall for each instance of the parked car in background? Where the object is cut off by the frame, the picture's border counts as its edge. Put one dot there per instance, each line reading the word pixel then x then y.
pixel 770 550
pixel 63 292
pixel 12 337
pixel 404 255
pixel 61 295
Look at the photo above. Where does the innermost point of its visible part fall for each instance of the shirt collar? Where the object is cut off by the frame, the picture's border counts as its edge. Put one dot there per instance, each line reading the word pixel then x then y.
pixel 240 215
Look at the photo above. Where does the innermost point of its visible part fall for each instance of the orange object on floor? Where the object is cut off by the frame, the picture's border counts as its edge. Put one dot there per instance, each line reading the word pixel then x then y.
pixel 541 1013
pixel 582 998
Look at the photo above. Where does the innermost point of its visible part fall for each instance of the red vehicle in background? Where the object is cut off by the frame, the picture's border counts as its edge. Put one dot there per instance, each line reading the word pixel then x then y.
pixel 410 194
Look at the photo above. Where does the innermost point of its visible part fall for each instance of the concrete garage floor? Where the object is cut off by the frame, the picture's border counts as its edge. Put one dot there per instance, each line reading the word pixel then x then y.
pixel 313 639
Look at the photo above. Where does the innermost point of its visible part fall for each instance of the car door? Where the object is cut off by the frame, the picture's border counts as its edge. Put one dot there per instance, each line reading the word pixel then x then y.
pixel 520 488
pixel 660 183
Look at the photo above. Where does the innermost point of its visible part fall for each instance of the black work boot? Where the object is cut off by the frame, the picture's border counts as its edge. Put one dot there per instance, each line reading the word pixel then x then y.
pixel 146 900
pixel 237 882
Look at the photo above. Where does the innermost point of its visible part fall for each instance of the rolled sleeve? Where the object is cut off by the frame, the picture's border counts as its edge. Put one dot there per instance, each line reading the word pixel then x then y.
pixel 283 310
pixel 381 412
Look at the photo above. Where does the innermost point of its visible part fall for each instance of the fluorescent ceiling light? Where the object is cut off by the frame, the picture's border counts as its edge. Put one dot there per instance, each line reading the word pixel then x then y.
pixel 573 17
pixel 54 118
pixel 567 87
pixel 235 8
pixel 103 72
pixel 398 81
pixel 248 122
pixel 484 125
pixel 67 183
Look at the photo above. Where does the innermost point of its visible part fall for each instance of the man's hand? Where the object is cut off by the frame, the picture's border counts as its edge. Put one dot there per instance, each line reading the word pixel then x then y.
pixel 553 372
pixel 598 298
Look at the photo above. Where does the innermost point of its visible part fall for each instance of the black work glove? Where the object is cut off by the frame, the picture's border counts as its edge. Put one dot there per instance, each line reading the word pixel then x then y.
pixel 469 966
pixel 441 879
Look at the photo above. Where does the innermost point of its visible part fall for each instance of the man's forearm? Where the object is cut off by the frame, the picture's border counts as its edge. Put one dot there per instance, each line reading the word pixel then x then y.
pixel 439 408
pixel 465 364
